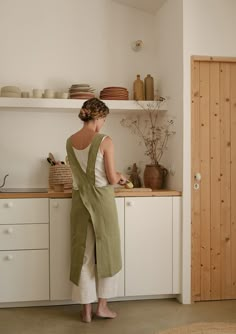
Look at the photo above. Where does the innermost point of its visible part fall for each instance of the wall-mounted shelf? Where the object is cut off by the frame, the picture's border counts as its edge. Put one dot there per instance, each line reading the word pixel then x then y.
pixel 7 103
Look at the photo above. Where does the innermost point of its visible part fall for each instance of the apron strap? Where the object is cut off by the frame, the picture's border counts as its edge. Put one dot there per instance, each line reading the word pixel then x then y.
pixel 93 151
pixel 77 170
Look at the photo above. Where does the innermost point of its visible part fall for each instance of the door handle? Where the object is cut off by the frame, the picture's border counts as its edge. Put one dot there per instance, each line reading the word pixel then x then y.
pixel 197 177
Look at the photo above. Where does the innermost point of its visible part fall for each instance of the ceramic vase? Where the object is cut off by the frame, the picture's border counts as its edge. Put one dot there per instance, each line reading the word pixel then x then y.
pixel 149 88
pixel 154 176
pixel 138 89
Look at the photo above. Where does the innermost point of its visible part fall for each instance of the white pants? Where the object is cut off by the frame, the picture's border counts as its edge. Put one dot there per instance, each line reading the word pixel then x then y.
pixel 90 286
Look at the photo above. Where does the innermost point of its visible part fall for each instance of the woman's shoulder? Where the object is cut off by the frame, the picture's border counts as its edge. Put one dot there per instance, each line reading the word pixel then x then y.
pixel 73 136
pixel 106 138
pixel 106 144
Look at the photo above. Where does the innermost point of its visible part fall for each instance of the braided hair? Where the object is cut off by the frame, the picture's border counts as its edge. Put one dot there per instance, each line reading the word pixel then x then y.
pixel 93 109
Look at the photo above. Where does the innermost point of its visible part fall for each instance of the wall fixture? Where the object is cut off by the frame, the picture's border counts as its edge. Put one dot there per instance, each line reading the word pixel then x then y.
pixel 137 45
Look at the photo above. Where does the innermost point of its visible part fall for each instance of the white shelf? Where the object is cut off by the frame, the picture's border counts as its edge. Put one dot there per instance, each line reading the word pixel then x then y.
pixel 67 104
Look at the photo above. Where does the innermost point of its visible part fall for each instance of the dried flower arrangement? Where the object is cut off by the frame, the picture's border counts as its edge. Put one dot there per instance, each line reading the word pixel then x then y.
pixel 154 129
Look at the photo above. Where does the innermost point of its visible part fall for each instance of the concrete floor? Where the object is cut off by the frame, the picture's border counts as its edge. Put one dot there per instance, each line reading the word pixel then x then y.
pixel 134 317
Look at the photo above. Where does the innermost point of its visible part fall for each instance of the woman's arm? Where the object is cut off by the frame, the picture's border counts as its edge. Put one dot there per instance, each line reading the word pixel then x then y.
pixel 107 149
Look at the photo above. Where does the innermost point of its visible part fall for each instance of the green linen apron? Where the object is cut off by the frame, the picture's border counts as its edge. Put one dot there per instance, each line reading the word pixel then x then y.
pixel 96 205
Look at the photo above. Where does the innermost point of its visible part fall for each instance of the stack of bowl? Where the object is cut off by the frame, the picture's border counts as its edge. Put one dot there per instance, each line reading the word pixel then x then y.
pixel 114 93
pixel 10 91
pixel 81 91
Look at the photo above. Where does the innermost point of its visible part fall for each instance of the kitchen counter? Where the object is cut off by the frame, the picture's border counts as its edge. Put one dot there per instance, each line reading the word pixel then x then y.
pixel 139 192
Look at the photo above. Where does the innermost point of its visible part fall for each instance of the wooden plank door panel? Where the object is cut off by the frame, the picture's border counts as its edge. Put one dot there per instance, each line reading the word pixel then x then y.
pixel 225 180
pixel 215 271
pixel 205 174
pixel 233 175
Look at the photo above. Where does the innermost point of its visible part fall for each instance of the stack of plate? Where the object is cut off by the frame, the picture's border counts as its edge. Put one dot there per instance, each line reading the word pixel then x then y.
pixel 114 93
pixel 10 91
pixel 81 91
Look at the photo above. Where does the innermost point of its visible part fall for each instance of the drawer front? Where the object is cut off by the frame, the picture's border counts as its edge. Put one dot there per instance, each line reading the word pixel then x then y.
pixel 24 276
pixel 24 211
pixel 28 236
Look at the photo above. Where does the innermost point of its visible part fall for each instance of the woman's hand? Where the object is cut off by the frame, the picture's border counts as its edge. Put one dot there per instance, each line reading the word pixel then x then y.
pixel 122 180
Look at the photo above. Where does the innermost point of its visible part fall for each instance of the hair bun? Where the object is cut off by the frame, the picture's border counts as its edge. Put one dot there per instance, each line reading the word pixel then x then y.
pixel 84 115
pixel 93 109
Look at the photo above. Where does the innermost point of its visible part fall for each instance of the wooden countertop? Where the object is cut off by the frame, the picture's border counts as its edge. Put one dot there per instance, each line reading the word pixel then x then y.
pixel 118 193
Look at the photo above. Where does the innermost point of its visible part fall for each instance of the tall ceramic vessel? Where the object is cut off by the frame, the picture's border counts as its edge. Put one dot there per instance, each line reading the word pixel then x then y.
pixel 138 89
pixel 154 176
pixel 149 88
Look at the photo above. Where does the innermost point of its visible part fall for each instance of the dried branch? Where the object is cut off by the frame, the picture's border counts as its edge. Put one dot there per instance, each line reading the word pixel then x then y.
pixel 153 129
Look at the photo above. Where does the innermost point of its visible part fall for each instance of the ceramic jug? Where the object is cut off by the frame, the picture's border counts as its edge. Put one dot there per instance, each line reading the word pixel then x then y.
pixel 138 89
pixel 149 88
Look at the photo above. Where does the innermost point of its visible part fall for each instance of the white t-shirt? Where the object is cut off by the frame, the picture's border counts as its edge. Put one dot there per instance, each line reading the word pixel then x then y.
pixel 100 174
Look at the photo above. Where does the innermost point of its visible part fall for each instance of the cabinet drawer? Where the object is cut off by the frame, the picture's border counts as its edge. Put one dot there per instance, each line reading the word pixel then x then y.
pixel 24 275
pixel 24 211
pixel 28 236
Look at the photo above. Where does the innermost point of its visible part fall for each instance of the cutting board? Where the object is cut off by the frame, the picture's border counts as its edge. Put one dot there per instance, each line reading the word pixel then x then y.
pixel 132 190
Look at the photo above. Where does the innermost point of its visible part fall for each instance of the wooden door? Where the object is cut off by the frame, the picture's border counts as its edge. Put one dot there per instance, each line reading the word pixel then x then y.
pixel 213 178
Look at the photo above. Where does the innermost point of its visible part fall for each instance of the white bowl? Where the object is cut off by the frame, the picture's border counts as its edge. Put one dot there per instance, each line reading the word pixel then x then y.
pixel 10 94
pixel 37 93
pixel 64 95
pixel 49 93
pixel 12 89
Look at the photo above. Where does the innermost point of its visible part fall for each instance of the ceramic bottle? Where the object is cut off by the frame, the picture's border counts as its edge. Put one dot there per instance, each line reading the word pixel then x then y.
pixel 134 177
pixel 138 89
pixel 149 88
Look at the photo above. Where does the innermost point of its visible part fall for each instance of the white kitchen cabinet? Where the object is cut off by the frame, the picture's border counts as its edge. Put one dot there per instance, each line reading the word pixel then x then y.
pixel 149 251
pixel 150 242
pixel 23 210
pixel 60 285
pixel 24 236
pixel 24 250
pixel 24 276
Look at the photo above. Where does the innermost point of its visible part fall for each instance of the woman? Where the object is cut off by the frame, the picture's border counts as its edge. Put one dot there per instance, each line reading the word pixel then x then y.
pixel 95 239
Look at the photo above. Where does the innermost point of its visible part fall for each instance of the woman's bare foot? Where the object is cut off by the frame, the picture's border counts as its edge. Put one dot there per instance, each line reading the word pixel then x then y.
pixel 85 317
pixel 86 313
pixel 103 311
pixel 106 313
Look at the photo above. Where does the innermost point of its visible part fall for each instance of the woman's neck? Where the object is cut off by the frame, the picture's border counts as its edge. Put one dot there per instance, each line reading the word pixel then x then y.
pixel 90 126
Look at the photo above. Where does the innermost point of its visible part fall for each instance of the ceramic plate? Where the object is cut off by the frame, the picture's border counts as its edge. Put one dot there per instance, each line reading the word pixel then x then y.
pixel 112 98
pixel 122 88
pixel 80 85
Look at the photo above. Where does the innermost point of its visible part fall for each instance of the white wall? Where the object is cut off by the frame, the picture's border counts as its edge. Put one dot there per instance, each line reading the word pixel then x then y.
pixel 53 44
pixel 26 138
pixel 169 61
pixel 209 29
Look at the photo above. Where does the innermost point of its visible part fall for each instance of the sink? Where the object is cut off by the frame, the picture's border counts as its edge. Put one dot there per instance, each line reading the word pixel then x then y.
pixel 23 190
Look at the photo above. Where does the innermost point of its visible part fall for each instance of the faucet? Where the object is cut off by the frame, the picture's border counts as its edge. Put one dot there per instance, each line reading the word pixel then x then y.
pixel 4 180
